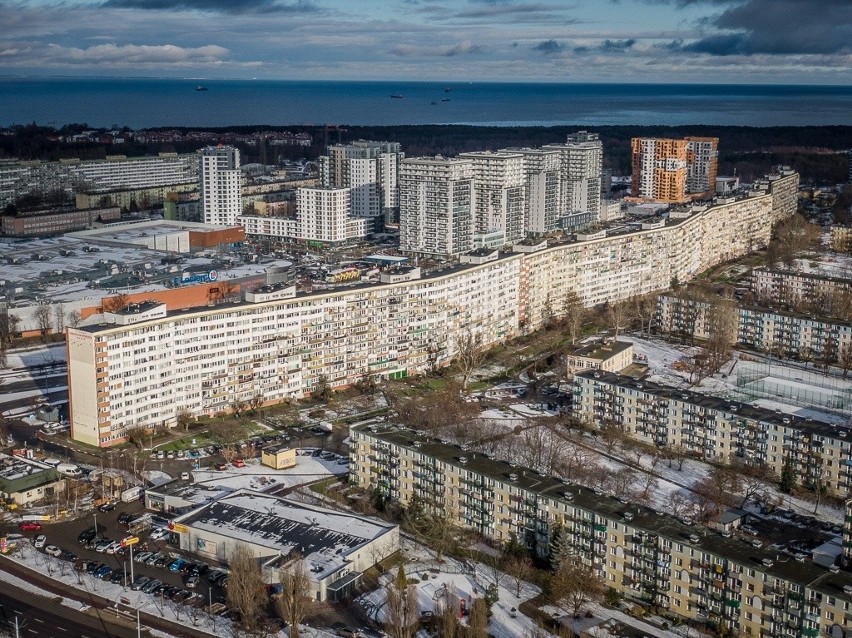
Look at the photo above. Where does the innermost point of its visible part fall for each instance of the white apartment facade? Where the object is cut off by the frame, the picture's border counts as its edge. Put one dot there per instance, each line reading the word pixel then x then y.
pixel 145 373
pixel 323 215
pixel 702 159
pixel 500 194
pixel 437 205
pixel 202 360
pixel 642 553
pixel 716 429
pixel 116 172
pixel 542 188
pixel 370 169
pixel 581 159
pixel 220 185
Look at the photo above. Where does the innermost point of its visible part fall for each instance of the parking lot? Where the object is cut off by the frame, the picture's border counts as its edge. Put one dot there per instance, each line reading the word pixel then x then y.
pixel 113 563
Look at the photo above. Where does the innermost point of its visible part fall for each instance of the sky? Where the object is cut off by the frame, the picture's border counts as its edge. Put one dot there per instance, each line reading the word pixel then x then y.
pixel 644 41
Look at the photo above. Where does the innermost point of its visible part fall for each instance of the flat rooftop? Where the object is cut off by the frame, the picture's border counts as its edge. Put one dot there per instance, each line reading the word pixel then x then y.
pixel 600 350
pixel 323 537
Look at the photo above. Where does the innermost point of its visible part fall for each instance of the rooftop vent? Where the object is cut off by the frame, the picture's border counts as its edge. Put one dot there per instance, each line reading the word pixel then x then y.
pixel 568 496
pixel 834 569
pixel 463 460
pixel 513 477
pixel 693 538
pixel 628 516
pixel 767 562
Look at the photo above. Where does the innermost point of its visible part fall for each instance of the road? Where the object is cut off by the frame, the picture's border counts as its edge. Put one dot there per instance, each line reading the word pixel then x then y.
pixel 36 618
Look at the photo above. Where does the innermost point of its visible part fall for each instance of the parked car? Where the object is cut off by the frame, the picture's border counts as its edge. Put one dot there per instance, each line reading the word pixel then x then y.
pixel 153 558
pixel 53 550
pixel 40 541
pixel 124 518
pixel 192 582
pixel 199 569
pixel 93 566
pixel 221 466
pixel 162 561
pixel 141 557
pixel 151 585
pixel 101 547
pixel 117 577
pixel 113 547
pixel 238 463
pixel 29 526
pixel 87 535
pixel 215 574
pixel 159 534
pixel 104 572
pixel 181 596
pixel 106 507
pixel 139 583
pixel 176 564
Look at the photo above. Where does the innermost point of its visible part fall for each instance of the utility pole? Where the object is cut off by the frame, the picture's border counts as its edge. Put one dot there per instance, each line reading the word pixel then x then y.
pixel 138 625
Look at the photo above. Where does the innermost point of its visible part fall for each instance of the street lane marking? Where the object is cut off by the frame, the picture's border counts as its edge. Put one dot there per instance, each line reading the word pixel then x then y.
pixel 39 620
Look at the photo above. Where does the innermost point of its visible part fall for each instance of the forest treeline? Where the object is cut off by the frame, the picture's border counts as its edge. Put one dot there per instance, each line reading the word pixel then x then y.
pixel 818 153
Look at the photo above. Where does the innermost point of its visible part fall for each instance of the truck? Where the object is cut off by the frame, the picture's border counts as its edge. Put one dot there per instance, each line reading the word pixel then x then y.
pixel 131 494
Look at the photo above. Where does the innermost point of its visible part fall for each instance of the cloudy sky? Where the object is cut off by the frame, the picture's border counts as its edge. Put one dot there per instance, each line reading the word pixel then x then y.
pixel 704 41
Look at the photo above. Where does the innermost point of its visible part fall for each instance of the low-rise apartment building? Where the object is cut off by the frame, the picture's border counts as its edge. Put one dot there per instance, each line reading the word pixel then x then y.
pixel 641 553
pixel 781 332
pixel 55 221
pixel 771 285
pixel 609 356
pixel 841 239
pixel 716 429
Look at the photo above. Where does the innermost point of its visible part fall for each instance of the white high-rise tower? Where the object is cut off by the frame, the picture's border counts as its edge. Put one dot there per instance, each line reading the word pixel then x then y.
pixel 220 185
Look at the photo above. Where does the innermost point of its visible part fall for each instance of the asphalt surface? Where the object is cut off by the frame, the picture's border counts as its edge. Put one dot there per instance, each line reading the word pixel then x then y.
pixel 35 619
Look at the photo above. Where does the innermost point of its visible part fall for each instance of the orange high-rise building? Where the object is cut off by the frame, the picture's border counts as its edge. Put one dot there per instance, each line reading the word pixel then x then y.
pixel 659 169
pixel 670 171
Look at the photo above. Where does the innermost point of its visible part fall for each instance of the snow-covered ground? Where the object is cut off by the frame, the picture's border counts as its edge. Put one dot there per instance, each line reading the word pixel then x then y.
pixel 31 364
pixel 255 476
pixel 746 378
pixel 829 264
pixel 464 582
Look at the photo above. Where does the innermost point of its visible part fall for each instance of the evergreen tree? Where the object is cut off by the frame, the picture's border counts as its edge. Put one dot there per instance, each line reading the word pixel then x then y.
pixel 788 477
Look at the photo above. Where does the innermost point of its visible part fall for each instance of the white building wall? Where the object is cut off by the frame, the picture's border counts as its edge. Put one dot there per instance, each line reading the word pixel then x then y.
pixel 220 185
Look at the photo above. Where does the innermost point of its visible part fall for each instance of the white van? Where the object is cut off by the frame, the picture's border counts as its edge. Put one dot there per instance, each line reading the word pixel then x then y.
pixel 52 462
pixel 70 470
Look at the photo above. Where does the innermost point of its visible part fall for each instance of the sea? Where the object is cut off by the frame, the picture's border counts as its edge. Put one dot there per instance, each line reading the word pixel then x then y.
pixel 146 102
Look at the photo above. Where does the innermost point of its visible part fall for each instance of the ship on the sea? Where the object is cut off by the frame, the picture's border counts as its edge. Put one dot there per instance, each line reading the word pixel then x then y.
pixel 200 88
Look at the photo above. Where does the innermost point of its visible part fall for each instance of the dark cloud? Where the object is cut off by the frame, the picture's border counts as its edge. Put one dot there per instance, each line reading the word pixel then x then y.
pixel 493 9
pixel 607 46
pixel 617 45
pixel 548 47
pixel 774 27
pixel 221 6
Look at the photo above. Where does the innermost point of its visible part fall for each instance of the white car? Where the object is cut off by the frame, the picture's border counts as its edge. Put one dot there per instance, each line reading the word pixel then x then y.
pixel 40 541
pixel 53 550
pixel 159 534
pixel 113 547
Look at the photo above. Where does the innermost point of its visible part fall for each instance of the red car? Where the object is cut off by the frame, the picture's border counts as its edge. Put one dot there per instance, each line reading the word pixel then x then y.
pixel 29 526
pixel 238 463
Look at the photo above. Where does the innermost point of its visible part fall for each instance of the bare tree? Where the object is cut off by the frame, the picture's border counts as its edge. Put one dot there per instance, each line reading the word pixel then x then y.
pixel 184 419
pixel 43 319
pixel 74 318
pixel 754 483
pixel 471 354
pixel 844 359
pixel 645 308
pixel 722 325
pixel 295 603
pixel 618 316
pixel 477 621
pixel 520 569
pixel 403 613
pixel 575 584
pixel 115 304
pixel 246 590
pixel 447 612
pixel 574 315
pixel 59 318
pixel 623 481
